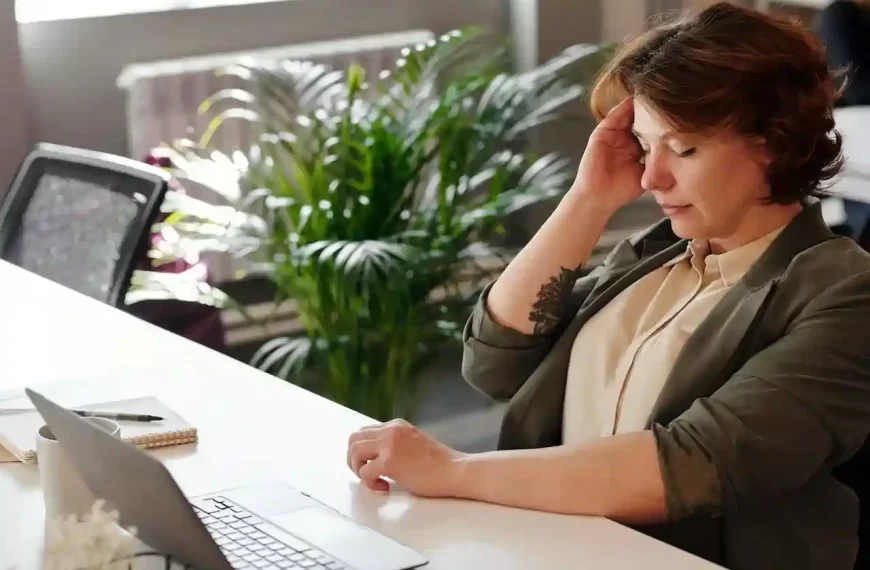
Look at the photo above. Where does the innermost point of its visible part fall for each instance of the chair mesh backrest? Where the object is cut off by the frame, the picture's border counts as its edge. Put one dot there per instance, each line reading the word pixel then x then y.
pixel 73 224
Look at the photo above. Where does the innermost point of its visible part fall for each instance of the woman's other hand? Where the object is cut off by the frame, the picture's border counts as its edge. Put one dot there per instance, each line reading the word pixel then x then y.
pixel 611 168
pixel 401 452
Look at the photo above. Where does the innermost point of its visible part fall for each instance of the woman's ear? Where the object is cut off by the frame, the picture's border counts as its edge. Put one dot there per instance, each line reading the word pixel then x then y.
pixel 758 147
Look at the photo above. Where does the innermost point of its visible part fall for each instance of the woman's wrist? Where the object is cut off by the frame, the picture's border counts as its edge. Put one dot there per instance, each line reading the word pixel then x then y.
pixel 593 202
pixel 460 476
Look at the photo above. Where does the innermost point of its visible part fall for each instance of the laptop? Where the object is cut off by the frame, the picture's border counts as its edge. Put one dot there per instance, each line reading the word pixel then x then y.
pixel 270 525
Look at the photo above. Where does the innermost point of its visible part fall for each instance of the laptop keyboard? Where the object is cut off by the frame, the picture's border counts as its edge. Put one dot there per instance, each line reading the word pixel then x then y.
pixel 246 545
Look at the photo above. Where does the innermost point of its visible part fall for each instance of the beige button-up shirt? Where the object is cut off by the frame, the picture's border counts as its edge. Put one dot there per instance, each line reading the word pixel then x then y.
pixel 623 355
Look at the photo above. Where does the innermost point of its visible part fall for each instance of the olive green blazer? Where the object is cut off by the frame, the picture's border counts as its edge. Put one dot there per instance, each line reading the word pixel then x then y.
pixel 768 395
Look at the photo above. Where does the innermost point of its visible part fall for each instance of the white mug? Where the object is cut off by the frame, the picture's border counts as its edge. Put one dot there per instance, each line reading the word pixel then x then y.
pixel 63 490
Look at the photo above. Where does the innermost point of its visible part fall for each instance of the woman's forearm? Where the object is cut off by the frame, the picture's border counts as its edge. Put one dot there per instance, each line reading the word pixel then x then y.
pixel 528 295
pixel 616 477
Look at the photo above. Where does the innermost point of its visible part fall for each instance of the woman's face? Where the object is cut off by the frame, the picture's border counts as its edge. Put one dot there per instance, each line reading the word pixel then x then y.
pixel 710 186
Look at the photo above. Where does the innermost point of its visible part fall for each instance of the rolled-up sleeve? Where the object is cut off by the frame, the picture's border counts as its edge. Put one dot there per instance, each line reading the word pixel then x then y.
pixel 497 360
pixel 800 405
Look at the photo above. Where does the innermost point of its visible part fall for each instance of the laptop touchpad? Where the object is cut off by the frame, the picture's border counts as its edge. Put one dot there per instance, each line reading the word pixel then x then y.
pixel 343 538
pixel 269 499
pixel 319 525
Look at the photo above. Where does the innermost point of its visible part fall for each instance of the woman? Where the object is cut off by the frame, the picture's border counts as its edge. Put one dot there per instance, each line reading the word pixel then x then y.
pixel 704 381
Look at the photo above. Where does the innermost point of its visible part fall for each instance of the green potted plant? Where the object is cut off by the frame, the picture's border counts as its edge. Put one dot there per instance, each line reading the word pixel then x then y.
pixel 378 206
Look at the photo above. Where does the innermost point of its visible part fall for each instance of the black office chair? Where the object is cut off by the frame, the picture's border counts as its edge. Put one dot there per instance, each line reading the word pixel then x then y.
pixel 81 218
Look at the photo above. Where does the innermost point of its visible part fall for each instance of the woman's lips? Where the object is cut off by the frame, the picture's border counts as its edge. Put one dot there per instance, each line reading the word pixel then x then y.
pixel 674 210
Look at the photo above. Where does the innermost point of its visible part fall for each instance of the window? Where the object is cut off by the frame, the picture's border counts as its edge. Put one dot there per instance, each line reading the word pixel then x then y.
pixel 46 10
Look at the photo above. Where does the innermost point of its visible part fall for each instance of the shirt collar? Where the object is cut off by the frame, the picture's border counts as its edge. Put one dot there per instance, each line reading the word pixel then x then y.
pixel 733 264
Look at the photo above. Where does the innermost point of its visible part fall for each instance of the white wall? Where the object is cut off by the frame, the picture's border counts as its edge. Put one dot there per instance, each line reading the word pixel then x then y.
pixel 72 65
pixel 15 133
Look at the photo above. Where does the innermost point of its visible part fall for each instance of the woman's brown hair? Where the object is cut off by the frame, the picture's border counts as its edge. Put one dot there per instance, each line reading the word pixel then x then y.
pixel 734 68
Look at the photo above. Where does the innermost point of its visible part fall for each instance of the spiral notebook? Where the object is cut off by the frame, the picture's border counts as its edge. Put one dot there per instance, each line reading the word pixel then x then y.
pixel 18 431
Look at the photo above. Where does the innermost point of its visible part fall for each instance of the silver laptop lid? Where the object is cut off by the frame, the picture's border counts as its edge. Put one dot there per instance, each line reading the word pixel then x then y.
pixel 135 484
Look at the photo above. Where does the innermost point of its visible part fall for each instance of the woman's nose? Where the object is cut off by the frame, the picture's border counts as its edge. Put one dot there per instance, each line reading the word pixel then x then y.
pixel 657 174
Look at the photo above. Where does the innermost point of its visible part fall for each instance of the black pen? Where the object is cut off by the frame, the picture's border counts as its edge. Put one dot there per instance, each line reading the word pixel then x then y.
pixel 118 416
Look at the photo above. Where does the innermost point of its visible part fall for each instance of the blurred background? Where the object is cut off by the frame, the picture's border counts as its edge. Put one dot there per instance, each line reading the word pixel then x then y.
pixel 345 174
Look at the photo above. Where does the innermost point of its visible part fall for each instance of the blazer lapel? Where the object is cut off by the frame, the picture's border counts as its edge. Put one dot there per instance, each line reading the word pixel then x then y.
pixel 710 354
pixel 724 339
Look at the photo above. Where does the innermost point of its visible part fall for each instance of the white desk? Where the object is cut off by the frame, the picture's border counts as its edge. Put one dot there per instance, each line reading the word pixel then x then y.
pixel 257 428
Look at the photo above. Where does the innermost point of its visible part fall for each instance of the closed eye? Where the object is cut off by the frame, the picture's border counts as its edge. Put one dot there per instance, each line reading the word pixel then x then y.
pixel 687 153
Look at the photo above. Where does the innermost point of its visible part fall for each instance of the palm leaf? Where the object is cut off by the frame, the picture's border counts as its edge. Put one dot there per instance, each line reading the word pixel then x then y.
pixel 285 352
pixel 217 122
pixel 295 359
pixel 234 95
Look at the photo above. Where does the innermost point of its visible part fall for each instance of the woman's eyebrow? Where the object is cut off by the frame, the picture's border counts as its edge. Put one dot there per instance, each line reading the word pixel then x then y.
pixel 667 136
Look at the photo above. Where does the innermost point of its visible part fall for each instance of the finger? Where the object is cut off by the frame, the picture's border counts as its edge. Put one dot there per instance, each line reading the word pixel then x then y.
pixel 359 452
pixel 621 116
pixel 364 433
pixel 362 452
pixel 371 475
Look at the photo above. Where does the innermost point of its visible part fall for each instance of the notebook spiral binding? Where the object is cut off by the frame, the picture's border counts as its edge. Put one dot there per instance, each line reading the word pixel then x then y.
pixel 164 439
